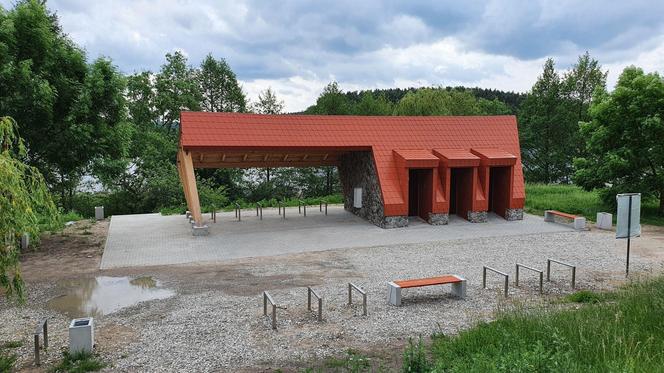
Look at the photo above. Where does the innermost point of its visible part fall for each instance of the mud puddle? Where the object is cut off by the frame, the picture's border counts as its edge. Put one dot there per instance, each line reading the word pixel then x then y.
pixel 104 295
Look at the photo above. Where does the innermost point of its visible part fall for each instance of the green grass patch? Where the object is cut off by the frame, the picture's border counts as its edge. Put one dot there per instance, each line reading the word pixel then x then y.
pixel 625 335
pixel 585 296
pixel 71 216
pixel 7 362
pixel 575 200
pixel 78 363
pixel 12 344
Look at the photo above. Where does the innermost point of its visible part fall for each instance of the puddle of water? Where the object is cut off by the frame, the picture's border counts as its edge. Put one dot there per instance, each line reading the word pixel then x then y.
pixel 104 295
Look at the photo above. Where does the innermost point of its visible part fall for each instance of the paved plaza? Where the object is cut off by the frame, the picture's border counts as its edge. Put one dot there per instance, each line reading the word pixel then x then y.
pixel 153 239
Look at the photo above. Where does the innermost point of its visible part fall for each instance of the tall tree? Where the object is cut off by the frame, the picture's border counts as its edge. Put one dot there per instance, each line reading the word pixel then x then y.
pixel 438 101
pixel 581 81
pixel 176 90
pixel 624 138
pixel 546 130
pixel 268 103
pixel 332 101
pixel 68 110
pixel 219 87
pixel 371 105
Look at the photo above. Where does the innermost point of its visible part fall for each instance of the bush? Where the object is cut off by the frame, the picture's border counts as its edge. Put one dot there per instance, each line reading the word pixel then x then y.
pixel 78 362
pixel 415 358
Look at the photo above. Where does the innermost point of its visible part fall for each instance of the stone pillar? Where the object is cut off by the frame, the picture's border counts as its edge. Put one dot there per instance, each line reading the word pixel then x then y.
pixel 477 216
pixel 513 214
pixel 438 219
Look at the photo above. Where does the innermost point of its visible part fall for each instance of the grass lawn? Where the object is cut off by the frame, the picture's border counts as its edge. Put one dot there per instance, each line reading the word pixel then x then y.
pixel 574 200
pixel 621 331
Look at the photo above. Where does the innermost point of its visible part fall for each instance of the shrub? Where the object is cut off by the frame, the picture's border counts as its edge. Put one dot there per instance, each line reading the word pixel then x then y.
pixel 415 358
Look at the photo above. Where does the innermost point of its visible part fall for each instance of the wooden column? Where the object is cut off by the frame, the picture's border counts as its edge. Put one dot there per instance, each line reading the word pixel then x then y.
pixel 182 179
pixel 190 184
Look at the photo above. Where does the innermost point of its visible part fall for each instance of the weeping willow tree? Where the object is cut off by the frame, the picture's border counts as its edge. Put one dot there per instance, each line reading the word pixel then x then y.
pixel 25 206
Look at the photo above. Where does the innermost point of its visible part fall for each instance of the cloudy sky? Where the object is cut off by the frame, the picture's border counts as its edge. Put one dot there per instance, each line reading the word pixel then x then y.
pixel 296 47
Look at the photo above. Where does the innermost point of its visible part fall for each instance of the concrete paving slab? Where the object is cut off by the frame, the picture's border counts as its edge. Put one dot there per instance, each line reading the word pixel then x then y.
pixel 153 239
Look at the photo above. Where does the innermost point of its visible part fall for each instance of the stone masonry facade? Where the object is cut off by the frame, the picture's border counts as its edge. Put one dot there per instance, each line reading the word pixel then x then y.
pixel 357 170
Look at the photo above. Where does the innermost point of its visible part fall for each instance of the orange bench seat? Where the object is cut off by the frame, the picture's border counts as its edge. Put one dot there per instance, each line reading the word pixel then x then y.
pixel 440 280
pixel 394 287
pixel 563 214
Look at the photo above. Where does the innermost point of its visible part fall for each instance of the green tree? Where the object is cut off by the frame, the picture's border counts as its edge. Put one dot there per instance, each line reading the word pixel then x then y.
pixel 332 101
pixel 438 101
pixel 268 103
pixel 46 85
pixel 546 129
pixel 25 205
pixel 372 105
pixel 580 83
pixel 219 87
pixel 624 138
pixel 176 89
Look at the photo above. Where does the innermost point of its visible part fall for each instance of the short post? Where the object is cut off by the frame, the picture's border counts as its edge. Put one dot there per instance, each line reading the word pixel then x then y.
pixel 42 328
pixel 267 298
pixel 311 291
pixel 485 268
pixel 238 212
pixel 326 208
pixel 299 206
pixel 548 270
pixel 352 286
pixel 283 215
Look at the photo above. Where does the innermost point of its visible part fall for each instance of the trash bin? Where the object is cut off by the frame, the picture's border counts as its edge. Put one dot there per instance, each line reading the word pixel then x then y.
pixel 81 335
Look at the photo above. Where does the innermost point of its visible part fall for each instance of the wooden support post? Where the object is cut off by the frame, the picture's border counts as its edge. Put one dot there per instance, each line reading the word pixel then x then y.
pixel 182 180
pixel 190 182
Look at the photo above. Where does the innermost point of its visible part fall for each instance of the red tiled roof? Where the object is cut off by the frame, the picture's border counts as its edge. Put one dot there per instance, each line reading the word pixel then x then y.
pixel 457 157
pixel 417 158
pixel 380 134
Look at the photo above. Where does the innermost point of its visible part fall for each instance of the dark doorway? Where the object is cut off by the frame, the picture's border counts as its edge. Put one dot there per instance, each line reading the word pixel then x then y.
pixel 420 192
pixel 499 189
pixel 461 191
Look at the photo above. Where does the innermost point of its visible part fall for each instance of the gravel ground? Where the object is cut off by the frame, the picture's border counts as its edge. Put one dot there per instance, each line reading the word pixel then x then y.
pixel 215 324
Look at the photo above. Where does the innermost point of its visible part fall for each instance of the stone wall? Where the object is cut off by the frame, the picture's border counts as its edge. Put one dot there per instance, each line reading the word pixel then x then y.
pixel 357 170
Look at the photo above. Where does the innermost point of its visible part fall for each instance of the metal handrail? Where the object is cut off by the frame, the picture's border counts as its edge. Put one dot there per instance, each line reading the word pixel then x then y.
pixel 352 286
pixel 311 291
pixel 320 206
pixel 485 268
pixel 541 275
pixel 42 328
pixel 548 270
pixel 267 298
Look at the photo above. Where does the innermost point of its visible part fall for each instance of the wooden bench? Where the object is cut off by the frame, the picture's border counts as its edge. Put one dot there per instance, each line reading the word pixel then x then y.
pixel 579 221
pixel 394 287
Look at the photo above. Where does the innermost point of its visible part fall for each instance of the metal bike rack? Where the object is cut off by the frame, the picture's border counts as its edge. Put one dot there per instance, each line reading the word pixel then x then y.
pixel 259 208
pixel 310 292
pixel 320 206
pixel 213 214
pixel 267 298
pixel 541 276
pixel 548 270
pixel 485 268
pixel 42 328
pixel 301 203
pixel 352 286
pixel 238 212
pixel 281 206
